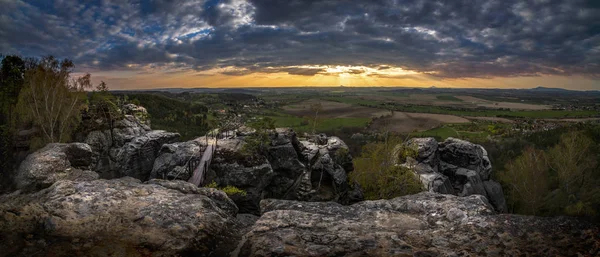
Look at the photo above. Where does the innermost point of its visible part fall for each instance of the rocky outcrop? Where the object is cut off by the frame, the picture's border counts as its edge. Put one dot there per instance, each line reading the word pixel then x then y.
pixel 425 224
pixel 130 147
pixel 120 217
pixel 55 162
pixel 455 167
pixel 173 158
pixel 247 171
pixel 313 169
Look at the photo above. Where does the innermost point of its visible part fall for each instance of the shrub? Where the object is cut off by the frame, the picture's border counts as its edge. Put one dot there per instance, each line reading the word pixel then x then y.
pixel 229 190
pixel 377 172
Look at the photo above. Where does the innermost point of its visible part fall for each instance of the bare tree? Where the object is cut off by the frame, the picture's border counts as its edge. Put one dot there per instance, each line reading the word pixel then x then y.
pixel 316 108
pixel 51 99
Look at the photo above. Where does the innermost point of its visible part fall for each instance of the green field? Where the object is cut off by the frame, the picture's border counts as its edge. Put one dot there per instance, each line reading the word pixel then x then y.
pixel 301 125
pixel 352 100
pixel 542 114
pixel 539 114
pixel 441 133
pixel 448 98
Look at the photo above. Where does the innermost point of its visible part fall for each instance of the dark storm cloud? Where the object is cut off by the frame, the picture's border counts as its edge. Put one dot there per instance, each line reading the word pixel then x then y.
pixel 480 38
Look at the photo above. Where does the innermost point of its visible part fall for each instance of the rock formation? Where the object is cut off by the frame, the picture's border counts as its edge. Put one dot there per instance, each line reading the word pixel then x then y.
pixel 55 162
pixel 130 148
pixel 424 224
pixel 314 169
pixel 298 186
pixel 455 167
pixel 119 217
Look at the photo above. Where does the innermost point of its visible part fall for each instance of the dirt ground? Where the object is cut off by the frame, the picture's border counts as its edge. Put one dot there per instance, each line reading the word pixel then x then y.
pixel 491 104
pixel 334 110
pixel 404 122
pixel 504 120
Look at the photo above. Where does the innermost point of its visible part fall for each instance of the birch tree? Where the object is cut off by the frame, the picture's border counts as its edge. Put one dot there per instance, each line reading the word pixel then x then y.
pixel 51 100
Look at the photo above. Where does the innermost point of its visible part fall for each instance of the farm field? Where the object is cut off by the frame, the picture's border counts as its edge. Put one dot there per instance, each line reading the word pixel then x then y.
pixel 302 125
pixel 405 122
pixel 334 110
pixel 505 105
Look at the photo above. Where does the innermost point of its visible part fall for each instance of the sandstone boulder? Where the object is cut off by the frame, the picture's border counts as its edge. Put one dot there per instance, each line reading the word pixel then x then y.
pixel 119 217
pixel 455 167
pixel 172 160
pixel 55 162
pixel 247 171
pixel 425 224
pixel 136 158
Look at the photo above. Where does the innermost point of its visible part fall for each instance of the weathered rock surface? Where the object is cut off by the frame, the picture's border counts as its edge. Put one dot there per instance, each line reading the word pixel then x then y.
pixel 289 169
pixel 119 217
pixel 130 148
pixel 456 167
pixel 55 162
pixel 425 224
pixel 247 171
pixel 173 158
pixel 136 158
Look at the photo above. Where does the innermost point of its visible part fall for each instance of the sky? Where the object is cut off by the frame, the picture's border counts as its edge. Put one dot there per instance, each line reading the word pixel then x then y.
pixel 275 43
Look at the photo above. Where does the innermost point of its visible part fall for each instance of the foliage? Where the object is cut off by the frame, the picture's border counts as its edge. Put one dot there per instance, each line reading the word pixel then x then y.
pixel 52 100
pixel 191 120
pixel 527 180
pixel 103 107
pixel 257 142
pixel 342 155
pixel 12 69
pixel 557 180
pixel 229 190
pixel 379 176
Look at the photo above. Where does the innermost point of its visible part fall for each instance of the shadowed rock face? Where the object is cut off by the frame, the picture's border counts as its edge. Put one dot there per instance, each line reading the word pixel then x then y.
pixel 425 224
pixel 130 148
pixel 456 167
pixel 120 217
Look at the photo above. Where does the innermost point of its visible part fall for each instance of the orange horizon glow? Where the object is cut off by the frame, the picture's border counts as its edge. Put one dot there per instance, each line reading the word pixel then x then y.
pixel 327 76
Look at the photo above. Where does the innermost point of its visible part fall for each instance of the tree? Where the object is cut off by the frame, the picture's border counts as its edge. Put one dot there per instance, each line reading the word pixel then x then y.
pixel 257 142
pixel 379 176
pixel 11 82
pixel 315 108
pixel 103 107
pixel 527 180
pixel 51 99
pixel 573 162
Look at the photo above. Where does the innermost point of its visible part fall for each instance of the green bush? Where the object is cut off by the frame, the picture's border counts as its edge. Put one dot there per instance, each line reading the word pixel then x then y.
pixel 379 176
pixel 229 190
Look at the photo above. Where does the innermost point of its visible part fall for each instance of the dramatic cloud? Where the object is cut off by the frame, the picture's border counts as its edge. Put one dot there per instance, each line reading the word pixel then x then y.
pixel 444 39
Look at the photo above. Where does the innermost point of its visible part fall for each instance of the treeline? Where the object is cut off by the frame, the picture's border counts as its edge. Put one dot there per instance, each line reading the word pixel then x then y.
pixel 553 173
pixel 41 103
pixel 191 120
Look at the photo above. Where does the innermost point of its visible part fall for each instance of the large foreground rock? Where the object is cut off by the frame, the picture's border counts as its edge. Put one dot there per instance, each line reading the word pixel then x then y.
pixel 120 217
pixel 55 162
pixel 425 224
